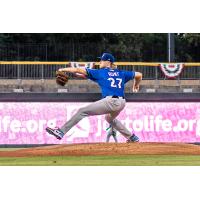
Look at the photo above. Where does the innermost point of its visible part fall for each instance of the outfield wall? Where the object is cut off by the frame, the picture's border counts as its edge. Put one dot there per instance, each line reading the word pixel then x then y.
pixel 153 117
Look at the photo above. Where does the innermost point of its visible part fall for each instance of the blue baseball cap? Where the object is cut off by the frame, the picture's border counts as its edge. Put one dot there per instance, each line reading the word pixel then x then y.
pixel 107 57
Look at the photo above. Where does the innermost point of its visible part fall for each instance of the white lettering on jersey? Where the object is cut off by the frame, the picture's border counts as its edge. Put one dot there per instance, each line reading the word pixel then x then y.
pixel 113 73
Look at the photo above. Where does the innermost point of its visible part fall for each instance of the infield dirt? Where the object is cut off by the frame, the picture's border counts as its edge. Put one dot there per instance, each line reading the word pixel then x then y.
pixel 106 149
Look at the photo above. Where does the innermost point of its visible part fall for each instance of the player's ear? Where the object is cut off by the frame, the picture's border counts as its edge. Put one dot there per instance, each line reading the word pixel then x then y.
pixel 113 66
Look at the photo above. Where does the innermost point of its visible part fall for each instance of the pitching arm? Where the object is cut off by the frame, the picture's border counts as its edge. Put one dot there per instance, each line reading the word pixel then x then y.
pixel 136 81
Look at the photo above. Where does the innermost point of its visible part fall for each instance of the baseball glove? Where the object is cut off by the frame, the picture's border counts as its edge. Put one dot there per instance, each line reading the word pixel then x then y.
pixel 61 78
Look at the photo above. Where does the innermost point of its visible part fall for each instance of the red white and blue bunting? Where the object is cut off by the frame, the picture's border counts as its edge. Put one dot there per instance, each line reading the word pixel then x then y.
pixel 172 70
pixel 82 65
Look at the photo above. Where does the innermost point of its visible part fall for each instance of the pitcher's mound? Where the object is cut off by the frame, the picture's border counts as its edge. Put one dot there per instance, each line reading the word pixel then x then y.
pixel 107 149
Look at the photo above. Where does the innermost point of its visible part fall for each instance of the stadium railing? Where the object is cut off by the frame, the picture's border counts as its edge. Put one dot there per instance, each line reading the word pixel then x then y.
pixel 46 70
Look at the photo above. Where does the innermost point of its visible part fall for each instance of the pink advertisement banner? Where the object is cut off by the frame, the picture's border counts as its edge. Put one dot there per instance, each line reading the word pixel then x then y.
pixel 25 123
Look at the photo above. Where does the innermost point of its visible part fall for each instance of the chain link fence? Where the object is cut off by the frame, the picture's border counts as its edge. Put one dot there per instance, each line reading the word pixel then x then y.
pixel 76 51
pixel 47 71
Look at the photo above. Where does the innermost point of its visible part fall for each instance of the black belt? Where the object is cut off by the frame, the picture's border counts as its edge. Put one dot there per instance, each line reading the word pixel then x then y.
pixel 117 97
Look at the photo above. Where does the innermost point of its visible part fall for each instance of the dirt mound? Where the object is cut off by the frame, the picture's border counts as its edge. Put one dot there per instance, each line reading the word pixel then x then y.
pixel 107 149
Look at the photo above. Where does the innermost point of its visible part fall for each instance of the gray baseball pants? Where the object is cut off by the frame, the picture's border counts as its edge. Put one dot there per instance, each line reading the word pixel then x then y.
pixel 109 106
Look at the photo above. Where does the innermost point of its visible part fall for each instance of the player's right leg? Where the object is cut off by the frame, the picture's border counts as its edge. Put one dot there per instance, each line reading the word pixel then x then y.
pixel 111 118
pixel 133 138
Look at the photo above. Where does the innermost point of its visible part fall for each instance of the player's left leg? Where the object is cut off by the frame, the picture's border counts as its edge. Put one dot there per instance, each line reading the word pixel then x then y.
pixel 97 108
pixel 103 106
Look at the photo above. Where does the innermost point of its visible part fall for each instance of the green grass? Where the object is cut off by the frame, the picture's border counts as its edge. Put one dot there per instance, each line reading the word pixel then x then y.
pixel 139 160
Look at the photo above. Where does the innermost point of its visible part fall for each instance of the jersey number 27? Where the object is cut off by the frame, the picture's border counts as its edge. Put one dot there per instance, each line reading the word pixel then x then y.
pixel 115 83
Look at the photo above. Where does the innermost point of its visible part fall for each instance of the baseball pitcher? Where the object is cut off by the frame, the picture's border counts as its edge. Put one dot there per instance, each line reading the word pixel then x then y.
pixel 112 82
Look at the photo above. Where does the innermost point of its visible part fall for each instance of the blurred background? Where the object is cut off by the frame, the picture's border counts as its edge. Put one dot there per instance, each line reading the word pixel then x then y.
pixel 86 47
pixel 146 47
